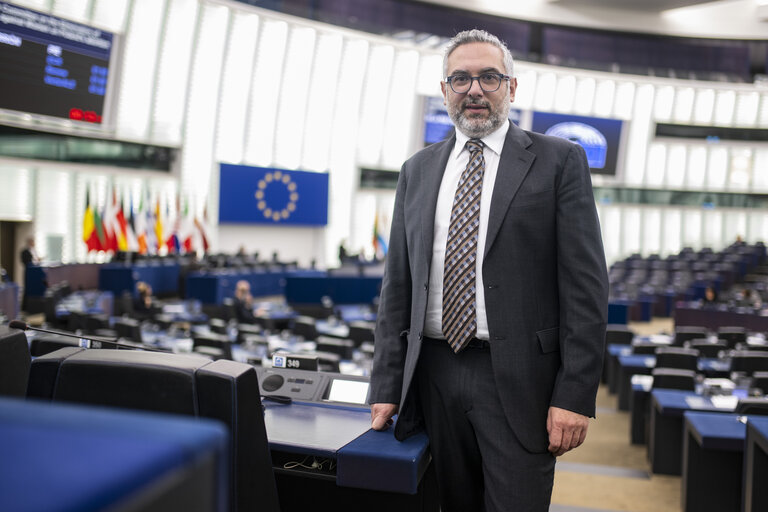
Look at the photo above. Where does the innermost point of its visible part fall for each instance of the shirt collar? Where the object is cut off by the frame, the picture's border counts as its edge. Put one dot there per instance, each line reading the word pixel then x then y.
pixel 494 140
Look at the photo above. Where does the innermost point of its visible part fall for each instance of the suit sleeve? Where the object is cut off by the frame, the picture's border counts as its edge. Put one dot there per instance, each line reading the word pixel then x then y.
pixel 393 317
pixel 583 288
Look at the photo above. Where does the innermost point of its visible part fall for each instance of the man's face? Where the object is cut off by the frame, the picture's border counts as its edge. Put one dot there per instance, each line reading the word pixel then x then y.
pixel 477 113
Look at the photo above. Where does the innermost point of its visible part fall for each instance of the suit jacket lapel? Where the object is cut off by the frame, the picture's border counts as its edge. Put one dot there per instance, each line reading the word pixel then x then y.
pixel 514 164
pixel 431 176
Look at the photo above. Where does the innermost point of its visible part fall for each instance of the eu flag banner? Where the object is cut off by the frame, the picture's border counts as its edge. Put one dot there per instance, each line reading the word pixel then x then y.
pixel 264 195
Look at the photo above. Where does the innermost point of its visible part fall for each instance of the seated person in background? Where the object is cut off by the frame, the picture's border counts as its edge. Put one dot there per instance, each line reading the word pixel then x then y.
pixel 144 305
pixel 244 303
pixel 710 298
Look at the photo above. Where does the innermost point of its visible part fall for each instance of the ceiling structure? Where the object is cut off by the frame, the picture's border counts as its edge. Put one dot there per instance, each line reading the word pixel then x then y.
pixel 720 19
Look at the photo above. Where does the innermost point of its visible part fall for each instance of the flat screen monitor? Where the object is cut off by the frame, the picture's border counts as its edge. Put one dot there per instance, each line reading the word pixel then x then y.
pixel 348 391
pixel 600 137
pixel 51 66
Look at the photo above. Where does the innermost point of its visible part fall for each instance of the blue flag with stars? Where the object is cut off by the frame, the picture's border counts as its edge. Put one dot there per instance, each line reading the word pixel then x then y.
pixel 265 195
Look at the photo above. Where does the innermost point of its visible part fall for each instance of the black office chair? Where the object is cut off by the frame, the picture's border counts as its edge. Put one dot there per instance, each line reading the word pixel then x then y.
pixel 748 361
pixel 752 406
pixel 341 347
pixel 304 326
pixel 674 378
pixel 644 347
pixel 677 357
pixel 732 335
pixel 15 361
pixel 707 348
pixel 360 331
pixel 220 342
pixel 128 328
pixel 228 309
pixel 687 333
pixel 218 325
pixel 244 330
pixel 618 334
pixel 172 383
pixel 760 381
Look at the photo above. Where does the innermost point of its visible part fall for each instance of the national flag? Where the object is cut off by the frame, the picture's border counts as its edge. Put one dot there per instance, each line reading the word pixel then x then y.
pixel 121 225
pixel 133 243
pixel 141 227
pixel 201 229
pixel 98 240
pixel 88 219
pixel 173 238
pixel 158 227
pixel 186 232
pixel 379 243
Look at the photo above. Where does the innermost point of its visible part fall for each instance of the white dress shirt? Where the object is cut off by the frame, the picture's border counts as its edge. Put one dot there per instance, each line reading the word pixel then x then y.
pixel 457 162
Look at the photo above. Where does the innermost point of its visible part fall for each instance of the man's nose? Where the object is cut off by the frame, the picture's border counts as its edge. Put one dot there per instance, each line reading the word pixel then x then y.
pixel 475 89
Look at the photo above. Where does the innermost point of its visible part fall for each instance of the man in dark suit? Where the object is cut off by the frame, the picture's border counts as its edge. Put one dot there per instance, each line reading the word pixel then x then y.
pixel 28 254
pixel 493 307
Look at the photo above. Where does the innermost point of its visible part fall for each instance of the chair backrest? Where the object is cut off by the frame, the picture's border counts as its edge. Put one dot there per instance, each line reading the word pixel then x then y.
pixel 749 361
pixel 183 384
pixel 674 378
pixel 304 326
pixel 15 361
pixel 687 333
pixel 708 349
pixel 644 347
pixel 760 381
pixel 361 331
pixel 128 328
pixel 618 334
pixel 752 406
pixel 732 335
pixel 212 339
pixel 677 357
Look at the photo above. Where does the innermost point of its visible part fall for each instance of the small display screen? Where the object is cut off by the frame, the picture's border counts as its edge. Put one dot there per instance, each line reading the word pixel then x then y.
pixel 52 66
pixel 349 391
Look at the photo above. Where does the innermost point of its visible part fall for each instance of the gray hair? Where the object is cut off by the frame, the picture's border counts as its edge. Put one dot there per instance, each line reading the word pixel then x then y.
pixel 478 36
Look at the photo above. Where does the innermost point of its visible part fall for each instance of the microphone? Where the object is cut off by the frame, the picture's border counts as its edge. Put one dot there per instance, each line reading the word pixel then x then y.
pixel 85 342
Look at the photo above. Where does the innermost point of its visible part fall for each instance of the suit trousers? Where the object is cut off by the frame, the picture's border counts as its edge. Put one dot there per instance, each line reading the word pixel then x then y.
pixel 480 464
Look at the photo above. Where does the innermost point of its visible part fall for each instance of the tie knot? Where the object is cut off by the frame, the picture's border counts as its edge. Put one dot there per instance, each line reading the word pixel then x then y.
pixel 474 145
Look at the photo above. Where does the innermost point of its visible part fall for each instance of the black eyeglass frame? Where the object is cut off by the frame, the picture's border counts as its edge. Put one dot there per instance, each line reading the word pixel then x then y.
pixel 500 76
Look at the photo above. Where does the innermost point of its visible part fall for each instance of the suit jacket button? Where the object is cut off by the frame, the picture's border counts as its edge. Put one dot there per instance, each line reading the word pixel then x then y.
pixel 420 336
pixel 426 286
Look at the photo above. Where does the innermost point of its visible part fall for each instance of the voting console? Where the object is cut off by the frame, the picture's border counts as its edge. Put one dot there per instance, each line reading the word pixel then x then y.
pixel 324 451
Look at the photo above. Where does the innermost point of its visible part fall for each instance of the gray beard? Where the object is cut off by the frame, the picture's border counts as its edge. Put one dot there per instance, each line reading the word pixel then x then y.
pixel 475 128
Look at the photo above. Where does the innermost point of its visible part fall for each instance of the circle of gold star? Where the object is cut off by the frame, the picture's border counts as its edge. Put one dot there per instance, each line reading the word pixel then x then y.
pixel 280 179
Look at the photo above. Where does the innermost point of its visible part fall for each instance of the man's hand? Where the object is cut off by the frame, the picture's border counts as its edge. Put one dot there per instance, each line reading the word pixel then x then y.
pixel 381 415
pixel 567 430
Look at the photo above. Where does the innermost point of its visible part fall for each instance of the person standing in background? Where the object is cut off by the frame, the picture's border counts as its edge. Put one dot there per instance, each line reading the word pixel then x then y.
pixel 494 301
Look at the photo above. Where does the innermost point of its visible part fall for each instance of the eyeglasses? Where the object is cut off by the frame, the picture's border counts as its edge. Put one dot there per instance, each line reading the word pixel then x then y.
pixel 489 82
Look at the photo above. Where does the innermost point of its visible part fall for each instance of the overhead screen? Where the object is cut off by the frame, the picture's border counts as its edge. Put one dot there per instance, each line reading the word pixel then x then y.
pixel 599 137
pixel 52 66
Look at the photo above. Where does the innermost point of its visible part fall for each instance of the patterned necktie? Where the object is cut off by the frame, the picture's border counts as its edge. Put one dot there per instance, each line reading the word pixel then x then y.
pixel 459 318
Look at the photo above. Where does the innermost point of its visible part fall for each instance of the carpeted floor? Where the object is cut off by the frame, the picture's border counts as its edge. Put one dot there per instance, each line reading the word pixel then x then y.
pixel 607 473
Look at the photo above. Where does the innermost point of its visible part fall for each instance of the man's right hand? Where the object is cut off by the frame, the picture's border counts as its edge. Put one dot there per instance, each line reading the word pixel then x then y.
pixel 381 415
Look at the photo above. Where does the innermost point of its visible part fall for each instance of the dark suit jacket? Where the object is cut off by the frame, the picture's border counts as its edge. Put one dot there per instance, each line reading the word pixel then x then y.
pixel 546 284
pixel 26 257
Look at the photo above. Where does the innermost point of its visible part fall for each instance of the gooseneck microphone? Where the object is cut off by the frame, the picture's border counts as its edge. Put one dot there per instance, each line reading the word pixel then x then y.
pixel 86 341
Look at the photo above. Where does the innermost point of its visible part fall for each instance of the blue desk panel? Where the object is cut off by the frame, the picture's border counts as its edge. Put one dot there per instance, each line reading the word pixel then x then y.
pixel 365 458
pixel 215 286
pixel 665 445
pixel 713 446
pixel 62 457
pixel 80 276
pixel 341 289
pixel 754 492
pixel 163 277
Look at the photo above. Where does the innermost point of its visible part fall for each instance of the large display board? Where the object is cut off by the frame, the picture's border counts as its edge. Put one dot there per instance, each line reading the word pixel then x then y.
pixel 52 66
